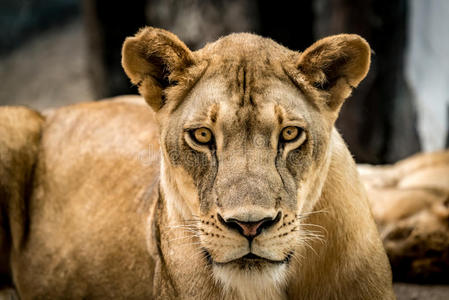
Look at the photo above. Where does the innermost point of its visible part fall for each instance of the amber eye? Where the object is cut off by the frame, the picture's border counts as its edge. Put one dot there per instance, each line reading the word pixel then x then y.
pixel 202 135
pixel 290 133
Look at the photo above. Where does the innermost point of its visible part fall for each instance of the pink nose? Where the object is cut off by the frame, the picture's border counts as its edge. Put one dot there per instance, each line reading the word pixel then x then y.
pixel 250 229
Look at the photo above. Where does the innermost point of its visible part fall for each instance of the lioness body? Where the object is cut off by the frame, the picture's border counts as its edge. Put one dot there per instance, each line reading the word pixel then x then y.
pixel 80 203
pixel 102 223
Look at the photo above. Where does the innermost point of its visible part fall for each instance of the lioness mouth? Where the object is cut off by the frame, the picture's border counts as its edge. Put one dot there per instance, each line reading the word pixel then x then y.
pixel 252 258
pixel 248 259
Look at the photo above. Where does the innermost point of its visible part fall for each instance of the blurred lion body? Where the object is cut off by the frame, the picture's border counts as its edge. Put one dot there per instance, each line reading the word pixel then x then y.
pixel 71 220
pixel 410 202
pixel 100 221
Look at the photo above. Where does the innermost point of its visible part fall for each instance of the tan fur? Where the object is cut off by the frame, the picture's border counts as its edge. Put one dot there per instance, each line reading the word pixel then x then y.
pixel 410 202
pixel 20 130
pixel 102 223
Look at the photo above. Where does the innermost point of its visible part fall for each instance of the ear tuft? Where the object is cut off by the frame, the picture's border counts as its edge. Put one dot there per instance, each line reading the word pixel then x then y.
pixel 336 64
pixel 152 59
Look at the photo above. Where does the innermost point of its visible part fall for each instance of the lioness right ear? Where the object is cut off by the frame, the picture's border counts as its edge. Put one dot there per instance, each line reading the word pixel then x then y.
pixel 152 59
pixel 335 65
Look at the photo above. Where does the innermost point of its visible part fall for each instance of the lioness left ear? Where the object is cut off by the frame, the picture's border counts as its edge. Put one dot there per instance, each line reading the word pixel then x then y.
pixel 336 64
pixel 154 59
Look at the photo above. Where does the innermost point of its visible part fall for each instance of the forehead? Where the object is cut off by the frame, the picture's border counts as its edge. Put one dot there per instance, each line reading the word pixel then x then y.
pixel 245 83
pixel 242 93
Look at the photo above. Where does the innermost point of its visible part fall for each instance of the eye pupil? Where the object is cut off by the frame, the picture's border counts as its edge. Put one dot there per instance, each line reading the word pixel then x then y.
pixel 202 135
pixel 290 133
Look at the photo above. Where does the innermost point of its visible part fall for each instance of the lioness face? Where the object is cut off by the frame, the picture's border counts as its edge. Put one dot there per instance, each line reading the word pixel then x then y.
pixel 243 145
pixel 245 127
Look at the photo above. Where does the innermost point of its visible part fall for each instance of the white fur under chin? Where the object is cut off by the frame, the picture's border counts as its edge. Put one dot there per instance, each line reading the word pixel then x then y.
pixel 268 283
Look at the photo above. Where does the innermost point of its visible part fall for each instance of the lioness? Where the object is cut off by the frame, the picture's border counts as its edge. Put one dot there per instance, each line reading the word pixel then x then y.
pixel 255 195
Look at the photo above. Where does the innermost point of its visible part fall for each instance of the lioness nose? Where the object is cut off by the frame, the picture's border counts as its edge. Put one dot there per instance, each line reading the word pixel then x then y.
pixel 250 229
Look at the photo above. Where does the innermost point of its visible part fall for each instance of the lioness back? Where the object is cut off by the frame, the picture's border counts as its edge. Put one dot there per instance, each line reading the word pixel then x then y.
pixel 95 181
pixel 20 131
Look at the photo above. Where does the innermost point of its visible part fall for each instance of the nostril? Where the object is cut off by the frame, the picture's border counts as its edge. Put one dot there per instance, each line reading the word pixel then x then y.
pixel 230 223
pixel 270 222
pixel 250 229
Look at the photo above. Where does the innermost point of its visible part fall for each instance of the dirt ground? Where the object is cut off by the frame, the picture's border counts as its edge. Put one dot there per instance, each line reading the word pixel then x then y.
pixel 50 71
pixel 406 291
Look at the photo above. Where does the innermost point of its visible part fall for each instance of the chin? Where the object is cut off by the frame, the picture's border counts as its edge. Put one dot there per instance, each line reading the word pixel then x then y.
pixel 252 278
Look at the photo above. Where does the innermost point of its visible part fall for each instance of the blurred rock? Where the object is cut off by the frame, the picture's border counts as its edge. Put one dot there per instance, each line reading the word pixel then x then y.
pixel 49 70
pixel 19 19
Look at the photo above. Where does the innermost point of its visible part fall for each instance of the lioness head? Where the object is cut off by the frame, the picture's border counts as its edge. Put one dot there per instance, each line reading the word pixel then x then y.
pixel 245 127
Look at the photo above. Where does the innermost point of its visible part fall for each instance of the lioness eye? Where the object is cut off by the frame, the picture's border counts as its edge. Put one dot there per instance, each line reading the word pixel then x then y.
pixel 290 133
pixel 202 135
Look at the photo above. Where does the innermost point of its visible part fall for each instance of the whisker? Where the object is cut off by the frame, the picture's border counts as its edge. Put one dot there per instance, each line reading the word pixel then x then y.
pixel 307 214
pixel 183 238
pixel 191 220
pixel 310 247
pixel 313 225
pixel 181 226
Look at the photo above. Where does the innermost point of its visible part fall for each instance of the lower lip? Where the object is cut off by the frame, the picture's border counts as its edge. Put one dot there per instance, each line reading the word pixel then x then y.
pixel 248 258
